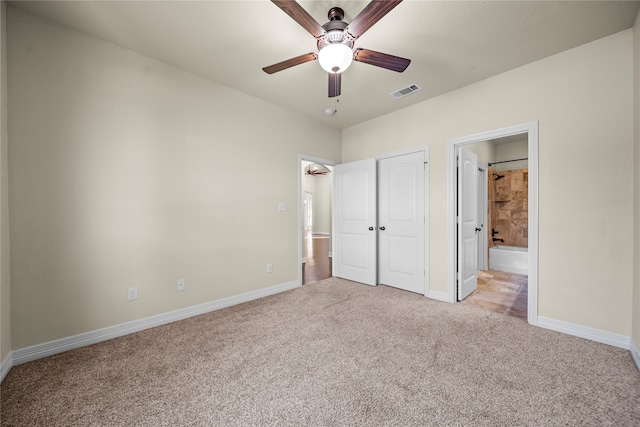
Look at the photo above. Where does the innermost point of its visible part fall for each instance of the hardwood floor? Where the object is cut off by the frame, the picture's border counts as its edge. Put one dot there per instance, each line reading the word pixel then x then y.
pixel 501 292
pixel 318 265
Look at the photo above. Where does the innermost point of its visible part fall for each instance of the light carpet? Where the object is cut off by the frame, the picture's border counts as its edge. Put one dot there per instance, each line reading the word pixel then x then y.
pixel 332 353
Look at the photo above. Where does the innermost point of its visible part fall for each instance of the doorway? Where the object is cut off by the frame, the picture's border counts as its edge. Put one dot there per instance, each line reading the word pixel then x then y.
pixel 315 192
pixel 530 132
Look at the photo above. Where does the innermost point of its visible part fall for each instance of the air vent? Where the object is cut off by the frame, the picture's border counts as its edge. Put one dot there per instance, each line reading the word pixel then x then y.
pixel 405 91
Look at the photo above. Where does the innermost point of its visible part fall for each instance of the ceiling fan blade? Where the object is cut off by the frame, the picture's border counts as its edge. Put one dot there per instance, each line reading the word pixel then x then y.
pixel 371 14
pixel 335 80
pixel 290 63
pixel 295 11
pixel 379 59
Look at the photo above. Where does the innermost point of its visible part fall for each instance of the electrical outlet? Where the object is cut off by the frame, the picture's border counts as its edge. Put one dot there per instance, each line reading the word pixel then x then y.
pixel 269 268
pixel 132 293
pixel 180 285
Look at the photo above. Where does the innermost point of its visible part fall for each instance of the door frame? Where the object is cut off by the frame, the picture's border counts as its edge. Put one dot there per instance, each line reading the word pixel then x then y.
pixel 531 129
pixel 483 240
pixel 427 257
pixel 313 159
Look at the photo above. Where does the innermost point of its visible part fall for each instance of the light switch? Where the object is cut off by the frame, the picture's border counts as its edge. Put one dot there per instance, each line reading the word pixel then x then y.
pixel 282 206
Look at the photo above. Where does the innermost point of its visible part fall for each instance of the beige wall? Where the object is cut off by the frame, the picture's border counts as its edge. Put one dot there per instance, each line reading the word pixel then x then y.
pixel 511 151
pixel 127 172
pixel 583 101
pixel 308 185
pixel 5 297
pixel 636 188
pixel 485 151
pixel 322 204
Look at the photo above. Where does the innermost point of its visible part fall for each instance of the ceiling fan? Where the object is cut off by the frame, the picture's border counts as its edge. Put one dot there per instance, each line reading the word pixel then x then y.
pixel 316 169
pixel 336 39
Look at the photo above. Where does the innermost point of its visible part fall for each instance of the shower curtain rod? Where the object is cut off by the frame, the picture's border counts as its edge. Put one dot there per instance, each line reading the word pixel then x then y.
pixel 507 161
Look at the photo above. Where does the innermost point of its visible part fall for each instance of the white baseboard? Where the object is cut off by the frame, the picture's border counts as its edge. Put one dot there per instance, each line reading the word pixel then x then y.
pixel 58 346
pixel 6 366
pixel 635 354
pixel 592 334
pixel 437 295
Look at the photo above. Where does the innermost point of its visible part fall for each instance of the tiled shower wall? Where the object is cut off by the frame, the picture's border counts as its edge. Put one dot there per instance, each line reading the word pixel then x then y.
pixel 508 207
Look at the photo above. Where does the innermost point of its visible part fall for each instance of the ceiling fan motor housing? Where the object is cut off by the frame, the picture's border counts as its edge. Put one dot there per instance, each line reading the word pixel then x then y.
pixel 335 30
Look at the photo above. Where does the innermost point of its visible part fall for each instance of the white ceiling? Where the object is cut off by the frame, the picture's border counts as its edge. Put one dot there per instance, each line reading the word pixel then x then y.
pixel 451 43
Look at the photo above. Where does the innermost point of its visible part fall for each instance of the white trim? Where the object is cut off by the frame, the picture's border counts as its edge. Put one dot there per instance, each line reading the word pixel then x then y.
pixel 6 366
pixel 58 346
pixel 635 354
pixel 531 129
pixel 308 158
pixel 532 282
pixel 592 334
pixel 437 295
pixel 483 239
pixel 406 151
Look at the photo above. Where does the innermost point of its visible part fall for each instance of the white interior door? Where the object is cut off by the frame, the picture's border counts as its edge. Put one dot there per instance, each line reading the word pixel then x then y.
pixel 467 223
pixel 355 249
pixel 401 222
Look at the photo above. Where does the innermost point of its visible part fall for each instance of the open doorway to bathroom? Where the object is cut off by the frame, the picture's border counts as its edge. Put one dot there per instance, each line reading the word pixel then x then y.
pixel 503 178
pixel 492 223
pixel 316 212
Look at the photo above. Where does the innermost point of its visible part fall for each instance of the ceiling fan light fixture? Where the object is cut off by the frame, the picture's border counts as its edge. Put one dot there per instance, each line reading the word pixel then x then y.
pixel 335 57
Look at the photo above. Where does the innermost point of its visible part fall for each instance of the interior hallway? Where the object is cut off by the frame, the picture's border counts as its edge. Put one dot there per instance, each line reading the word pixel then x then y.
pixel 318 264
pixel 501 292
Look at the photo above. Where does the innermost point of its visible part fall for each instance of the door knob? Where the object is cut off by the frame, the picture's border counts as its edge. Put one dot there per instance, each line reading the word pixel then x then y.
pixel 478 229
pixel 370 228
pixel 382 228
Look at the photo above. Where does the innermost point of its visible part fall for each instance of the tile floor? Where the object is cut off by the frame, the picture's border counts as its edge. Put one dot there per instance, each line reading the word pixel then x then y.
pixel 500 292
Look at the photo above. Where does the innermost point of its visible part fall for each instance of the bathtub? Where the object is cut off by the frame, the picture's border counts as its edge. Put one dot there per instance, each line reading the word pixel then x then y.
pixel 510 259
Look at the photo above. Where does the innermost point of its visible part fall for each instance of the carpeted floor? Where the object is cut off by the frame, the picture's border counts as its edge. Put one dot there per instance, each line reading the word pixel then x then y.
pixel 332 353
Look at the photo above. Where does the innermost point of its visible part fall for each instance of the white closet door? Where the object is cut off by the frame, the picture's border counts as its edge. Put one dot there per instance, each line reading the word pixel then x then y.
pixel 355 222
pixel 401 230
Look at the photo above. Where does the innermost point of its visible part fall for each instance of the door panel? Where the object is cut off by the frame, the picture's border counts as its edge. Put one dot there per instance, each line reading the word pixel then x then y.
pixel 355 221
pixel 467 223
pixel 401 224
